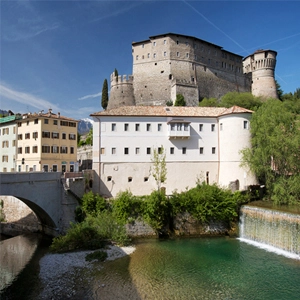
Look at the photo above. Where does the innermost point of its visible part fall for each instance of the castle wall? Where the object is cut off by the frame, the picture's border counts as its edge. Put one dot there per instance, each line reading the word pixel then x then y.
pixel 162 59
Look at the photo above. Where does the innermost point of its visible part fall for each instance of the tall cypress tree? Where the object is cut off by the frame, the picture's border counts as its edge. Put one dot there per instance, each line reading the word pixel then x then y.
pixel 104 100
pixel 116 74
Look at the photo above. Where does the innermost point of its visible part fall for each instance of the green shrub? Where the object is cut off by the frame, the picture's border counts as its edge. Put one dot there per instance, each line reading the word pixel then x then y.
pixel 108 227
pixel 97 255
pixel 93 233
pixel 156 210
pixel 78 236
pixel 207 202
pixel 93 203
pixel 126 207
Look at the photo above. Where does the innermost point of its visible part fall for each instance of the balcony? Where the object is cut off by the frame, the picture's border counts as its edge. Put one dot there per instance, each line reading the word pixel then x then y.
pixel 178 129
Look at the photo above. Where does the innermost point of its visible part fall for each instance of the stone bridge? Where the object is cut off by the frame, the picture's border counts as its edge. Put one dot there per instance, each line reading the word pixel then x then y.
pixel 50 196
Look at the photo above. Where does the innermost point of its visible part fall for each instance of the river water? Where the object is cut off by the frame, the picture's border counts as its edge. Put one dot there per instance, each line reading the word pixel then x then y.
pixel 199 268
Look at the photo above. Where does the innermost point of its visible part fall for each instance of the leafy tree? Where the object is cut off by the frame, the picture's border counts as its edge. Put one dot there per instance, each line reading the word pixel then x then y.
pixel 159 168
pixel 274 155
pixel 279 90
pixel 246 100
pixel 209 102
pixel 89 138
pixel 92 204
pixel 104 100
pixel 179 100
pixel 297 93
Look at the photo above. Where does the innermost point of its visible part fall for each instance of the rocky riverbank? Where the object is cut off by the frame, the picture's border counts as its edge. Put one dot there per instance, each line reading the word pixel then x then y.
pixel 61 274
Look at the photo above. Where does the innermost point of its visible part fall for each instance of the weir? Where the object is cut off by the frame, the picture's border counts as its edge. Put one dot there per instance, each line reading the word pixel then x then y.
pixel 275 228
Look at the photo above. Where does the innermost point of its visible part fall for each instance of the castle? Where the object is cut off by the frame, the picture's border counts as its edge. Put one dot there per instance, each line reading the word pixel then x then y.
pixel 169 64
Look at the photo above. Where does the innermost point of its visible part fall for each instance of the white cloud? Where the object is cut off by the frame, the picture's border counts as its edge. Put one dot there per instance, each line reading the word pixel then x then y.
pixel 25 98
pixel 90 96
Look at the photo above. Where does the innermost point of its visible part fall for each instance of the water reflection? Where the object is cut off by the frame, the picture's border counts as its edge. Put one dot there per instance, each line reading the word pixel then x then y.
pixel 15 253
pixel 212 268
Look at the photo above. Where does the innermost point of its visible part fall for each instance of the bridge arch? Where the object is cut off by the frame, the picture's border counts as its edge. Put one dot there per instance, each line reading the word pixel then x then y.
pixel 46 195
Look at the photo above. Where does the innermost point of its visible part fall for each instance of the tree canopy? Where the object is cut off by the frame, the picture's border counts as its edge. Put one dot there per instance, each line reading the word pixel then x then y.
pixel 274 156
pixel 179 100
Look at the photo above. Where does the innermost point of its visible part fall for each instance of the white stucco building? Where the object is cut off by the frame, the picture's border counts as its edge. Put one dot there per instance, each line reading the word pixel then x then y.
pixel 201 143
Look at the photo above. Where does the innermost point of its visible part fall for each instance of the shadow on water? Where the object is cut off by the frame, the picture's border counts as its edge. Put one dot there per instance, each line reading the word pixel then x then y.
pixel 19 261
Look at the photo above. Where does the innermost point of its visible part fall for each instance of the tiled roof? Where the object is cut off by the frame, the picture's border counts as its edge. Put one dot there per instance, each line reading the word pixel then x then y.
pixel 171 111
pixel 47 115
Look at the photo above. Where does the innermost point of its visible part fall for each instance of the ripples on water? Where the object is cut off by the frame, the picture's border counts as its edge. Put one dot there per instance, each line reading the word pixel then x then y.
pixel 200 268
pixel 207 268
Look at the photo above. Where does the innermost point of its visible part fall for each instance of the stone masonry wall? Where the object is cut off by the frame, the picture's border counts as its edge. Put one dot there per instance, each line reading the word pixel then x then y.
pixel 18 217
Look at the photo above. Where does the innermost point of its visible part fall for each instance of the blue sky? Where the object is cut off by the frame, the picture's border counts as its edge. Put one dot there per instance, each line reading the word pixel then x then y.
pixel 58 53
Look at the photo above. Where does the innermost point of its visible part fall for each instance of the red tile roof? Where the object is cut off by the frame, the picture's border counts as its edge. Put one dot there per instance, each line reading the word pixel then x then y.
pixel 172 111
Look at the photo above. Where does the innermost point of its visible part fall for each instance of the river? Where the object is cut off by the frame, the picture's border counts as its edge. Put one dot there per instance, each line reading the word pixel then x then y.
pixel 198 268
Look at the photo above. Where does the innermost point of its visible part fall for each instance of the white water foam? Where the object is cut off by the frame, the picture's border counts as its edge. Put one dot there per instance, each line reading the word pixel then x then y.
pixel 270 248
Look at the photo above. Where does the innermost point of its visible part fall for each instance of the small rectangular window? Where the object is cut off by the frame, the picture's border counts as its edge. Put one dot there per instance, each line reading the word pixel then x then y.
pixel 54 149
pixel 137 150
pixel 148 150
pixel 200 127
pixel 35 135
pixel 213 150
pixel 64 149
pixel 126 126
pixel 213 127
pixel 102 151
pixel 201 150
pixel 159 126
pixel 177 54
pixel 46 121
pixel 129 179
pixel 113 127
pixel 159 150
pixel 20 150
pixel 126 150
pixel 148 127
pixel 35 149
pixel 172 150
pixel 137 127
pixel 54 122
pixel 36 121
pixel 72 150
pixel 113 151
pixel 55 135
pixel 27 149
pixel 183 150
pixel 245 124
pixel 64 136
pixel 221 126
pixel 109 178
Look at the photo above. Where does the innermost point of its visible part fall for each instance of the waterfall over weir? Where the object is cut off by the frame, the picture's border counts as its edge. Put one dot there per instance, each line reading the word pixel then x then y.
pixel 273 228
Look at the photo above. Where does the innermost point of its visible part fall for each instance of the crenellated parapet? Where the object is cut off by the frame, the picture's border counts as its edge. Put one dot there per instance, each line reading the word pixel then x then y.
pixel 120 79
pixel 261 59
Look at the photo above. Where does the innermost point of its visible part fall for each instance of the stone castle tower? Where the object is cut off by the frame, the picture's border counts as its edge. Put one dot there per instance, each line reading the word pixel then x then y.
pixel 261 66
pixel 170 64
pixel 121 91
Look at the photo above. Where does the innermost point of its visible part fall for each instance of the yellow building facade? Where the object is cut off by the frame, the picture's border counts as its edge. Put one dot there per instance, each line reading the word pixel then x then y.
pixel 46 142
